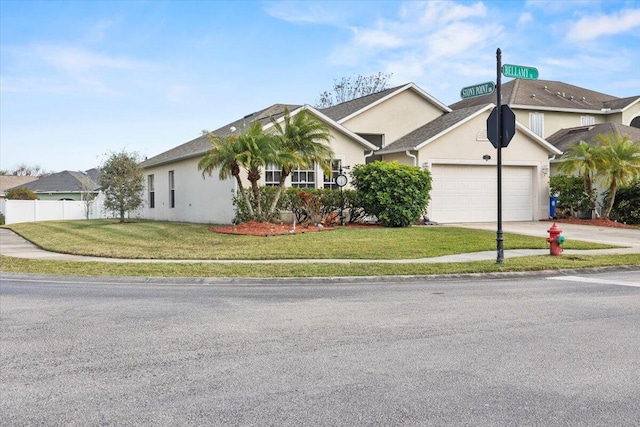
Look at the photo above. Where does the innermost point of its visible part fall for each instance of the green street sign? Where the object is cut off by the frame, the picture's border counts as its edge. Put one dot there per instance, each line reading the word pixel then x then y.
pixel 520 72
pixel 477 90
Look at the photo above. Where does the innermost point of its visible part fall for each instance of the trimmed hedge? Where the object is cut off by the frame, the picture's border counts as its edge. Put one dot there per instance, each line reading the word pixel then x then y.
pixel 396 194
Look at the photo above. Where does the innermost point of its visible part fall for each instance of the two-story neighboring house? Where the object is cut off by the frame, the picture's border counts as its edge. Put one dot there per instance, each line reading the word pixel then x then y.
pixel 403 124
pixel 546 106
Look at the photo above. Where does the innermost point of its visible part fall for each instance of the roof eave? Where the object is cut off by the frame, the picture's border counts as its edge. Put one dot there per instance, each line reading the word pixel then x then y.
pixel 455 125
pixel 564 110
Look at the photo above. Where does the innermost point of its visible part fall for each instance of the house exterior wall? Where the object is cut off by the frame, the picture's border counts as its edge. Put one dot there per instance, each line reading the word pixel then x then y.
pixel 556 120
pixel 395 117
pixel 197 199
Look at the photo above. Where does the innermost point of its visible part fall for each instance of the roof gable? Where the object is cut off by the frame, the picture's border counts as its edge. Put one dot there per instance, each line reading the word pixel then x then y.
pixel 446 123
pixel 349 109
pixel 423 135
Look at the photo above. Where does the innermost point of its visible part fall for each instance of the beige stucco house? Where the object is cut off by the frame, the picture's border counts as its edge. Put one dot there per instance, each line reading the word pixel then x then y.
pixel 403 123
pixel 407 125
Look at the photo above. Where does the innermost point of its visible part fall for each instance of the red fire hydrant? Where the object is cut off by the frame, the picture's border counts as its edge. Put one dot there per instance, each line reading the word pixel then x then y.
pixel 555 240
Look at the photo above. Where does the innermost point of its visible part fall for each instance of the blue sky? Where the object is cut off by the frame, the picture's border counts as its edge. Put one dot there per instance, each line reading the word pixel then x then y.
pixel 82 79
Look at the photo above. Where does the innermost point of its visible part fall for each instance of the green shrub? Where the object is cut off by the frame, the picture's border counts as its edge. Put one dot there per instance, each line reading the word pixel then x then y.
pixel 21 194
pixel 396 194
pixel 626 207
pixel 570 192
pixel 1 219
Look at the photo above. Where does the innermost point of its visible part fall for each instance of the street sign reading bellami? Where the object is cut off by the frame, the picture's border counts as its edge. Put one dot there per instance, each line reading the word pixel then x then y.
pixel 477 90
pixel 520 72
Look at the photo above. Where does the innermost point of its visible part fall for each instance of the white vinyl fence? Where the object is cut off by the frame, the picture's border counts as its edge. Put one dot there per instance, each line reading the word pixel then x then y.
pixel 15 211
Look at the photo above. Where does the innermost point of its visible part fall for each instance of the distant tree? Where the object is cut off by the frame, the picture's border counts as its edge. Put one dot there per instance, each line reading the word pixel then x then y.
pixel 121 179
pixel 21 194
pixel 27 170
pixel 88 193
pixel 586 160
pixel 348 88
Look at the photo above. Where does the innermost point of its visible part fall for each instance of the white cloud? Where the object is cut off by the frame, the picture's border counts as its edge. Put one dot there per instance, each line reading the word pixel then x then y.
pixel 78 60
pixel 305 12
pixel 591 27
pixel 525 18
pixel 376 38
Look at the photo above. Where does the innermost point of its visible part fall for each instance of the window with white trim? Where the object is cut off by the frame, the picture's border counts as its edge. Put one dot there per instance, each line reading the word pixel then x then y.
pixel 536 123
pixel 303 178
pixel 587 120
pixel 272 174
pixel 330 181
pixel 152 191
pixel 172 190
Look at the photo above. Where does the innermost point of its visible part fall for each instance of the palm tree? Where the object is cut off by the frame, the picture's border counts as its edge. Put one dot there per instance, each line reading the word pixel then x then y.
pixel 258 149
pixel 586 160
pixel 302 142
pixel 620 163
pixel 224 155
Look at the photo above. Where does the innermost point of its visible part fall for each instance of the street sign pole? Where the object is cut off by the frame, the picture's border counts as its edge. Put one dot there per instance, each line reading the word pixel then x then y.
pixel 499 236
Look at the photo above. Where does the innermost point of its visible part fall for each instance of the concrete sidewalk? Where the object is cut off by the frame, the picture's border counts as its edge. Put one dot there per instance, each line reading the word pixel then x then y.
pixel 13 245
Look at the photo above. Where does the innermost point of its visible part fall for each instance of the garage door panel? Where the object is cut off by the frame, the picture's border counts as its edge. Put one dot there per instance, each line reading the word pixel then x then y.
pixel 469 193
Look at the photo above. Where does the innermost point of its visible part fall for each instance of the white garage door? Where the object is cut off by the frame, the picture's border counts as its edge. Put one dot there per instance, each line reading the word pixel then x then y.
pixel 469 193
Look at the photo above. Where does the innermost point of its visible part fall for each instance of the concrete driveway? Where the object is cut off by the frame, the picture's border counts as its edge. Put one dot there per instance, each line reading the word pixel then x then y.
pixel 589 233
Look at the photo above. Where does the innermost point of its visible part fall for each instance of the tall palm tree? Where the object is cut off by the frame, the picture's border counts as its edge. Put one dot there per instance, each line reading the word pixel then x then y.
pixel 258 149
pixel 621 163
pixel 303 141
pixel 224 155
pixel 586 159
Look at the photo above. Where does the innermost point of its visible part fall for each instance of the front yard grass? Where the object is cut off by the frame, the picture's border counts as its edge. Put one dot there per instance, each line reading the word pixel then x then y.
pixel 141 239
pixel 170 241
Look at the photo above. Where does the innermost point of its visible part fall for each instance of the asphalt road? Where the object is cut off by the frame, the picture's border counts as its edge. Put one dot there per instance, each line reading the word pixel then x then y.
pixel 534 350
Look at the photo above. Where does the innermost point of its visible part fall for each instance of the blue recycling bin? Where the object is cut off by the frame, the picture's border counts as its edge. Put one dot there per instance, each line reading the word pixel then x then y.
pixel 553 201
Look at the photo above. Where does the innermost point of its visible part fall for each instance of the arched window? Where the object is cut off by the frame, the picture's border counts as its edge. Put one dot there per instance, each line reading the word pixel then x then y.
pixel 635 122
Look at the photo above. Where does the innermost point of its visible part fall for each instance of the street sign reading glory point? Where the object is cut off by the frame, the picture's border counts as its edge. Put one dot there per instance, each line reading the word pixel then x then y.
pixel 477 90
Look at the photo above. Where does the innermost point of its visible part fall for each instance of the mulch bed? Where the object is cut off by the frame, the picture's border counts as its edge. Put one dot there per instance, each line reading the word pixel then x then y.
pixel 254 228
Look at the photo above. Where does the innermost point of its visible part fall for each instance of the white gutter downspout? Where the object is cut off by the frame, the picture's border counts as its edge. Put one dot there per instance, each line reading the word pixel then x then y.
pixel 366 156
pixel 415 158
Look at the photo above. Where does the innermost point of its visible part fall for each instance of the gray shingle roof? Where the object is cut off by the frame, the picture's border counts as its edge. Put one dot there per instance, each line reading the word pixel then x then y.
pixel 344 109
pixel 200 145
pixel 565 138
pixel 411 140
pixel 11 181
pixel 65 181
pixel 550 94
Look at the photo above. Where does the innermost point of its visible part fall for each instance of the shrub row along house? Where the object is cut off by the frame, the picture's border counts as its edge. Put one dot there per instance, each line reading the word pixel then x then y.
pixel 407 125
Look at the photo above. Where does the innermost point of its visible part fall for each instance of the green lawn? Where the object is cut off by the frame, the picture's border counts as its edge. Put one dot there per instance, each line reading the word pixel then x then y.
pixel 165 240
